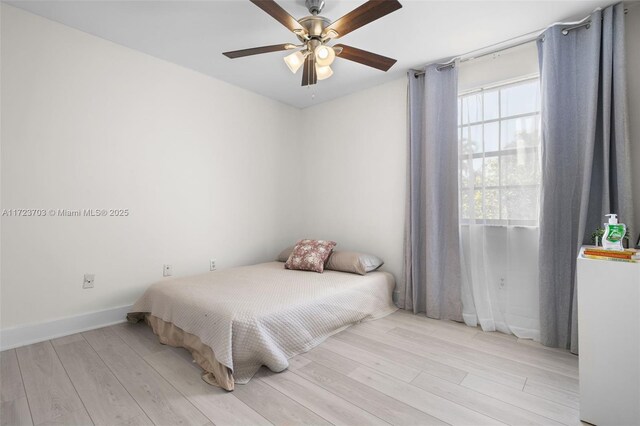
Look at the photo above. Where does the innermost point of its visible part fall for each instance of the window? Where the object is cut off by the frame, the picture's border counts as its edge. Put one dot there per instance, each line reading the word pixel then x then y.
pixel 499 136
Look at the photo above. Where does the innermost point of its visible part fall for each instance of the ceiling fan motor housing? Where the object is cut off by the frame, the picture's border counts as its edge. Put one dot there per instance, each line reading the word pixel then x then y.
pixel 314 25
pixel 315 6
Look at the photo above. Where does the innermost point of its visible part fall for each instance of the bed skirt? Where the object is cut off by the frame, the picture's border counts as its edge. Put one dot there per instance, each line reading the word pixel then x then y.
pixel 215 373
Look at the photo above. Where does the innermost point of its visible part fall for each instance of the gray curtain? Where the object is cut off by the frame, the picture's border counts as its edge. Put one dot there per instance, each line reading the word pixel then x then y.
pixel 585 161
pixel 432 278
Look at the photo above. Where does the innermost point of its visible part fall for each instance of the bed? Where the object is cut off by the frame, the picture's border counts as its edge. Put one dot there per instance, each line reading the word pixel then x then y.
pixel 236 320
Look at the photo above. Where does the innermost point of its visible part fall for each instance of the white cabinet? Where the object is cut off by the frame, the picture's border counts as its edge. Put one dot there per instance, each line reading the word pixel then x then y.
pixel 609 341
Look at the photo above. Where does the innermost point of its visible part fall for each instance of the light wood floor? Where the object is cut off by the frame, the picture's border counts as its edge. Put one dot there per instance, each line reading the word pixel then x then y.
pixel 402 369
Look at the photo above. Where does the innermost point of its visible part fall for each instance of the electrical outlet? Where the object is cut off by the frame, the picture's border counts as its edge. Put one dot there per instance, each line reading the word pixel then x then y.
pixel 212 264
pixel 89 280
pixel 167 271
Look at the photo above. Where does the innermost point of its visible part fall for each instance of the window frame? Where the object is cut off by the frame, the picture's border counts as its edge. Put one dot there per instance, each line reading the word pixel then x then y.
pixel 532 223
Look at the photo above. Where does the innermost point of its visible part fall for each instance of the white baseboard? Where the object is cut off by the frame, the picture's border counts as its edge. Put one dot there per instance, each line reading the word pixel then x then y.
pixel 33 333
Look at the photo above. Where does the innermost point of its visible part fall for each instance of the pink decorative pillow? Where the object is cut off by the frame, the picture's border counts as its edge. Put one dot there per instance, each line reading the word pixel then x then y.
pixel 310 255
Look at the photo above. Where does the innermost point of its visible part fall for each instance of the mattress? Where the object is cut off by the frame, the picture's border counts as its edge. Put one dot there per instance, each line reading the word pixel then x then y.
pixel 263 314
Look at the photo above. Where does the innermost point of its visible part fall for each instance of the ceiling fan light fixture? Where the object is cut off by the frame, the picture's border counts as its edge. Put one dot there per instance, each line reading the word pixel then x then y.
pixel 294 61
pixel 325 55
pixel 329 34
pixel 323 72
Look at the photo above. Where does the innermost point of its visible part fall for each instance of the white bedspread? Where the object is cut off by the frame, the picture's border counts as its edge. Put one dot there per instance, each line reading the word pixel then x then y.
pixel 264 314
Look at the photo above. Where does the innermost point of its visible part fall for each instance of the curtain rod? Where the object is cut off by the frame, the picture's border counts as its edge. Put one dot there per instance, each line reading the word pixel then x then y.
pixel 470 55
pixel 529 38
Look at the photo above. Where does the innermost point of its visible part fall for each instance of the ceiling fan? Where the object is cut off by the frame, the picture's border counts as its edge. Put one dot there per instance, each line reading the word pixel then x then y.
pixel 314 32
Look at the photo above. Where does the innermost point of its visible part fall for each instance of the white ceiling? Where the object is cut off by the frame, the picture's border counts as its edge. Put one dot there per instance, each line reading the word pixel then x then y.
pixel 195 33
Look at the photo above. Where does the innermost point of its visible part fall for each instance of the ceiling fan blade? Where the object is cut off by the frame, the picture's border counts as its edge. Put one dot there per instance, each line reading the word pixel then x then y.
pixel 280 15
pixel 365 58
pixel 258 50
pixel 360 16
pixel 309 76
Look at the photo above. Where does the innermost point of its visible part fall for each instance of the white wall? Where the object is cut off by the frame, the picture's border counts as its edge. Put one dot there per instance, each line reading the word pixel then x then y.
pixel 353 158
pixel 356 172
pixel 502 66
pixel 356 177
pixel 632 26
pixel 90 124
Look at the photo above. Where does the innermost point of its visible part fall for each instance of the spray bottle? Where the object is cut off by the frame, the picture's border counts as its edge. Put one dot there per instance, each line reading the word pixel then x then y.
pixel 613 233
